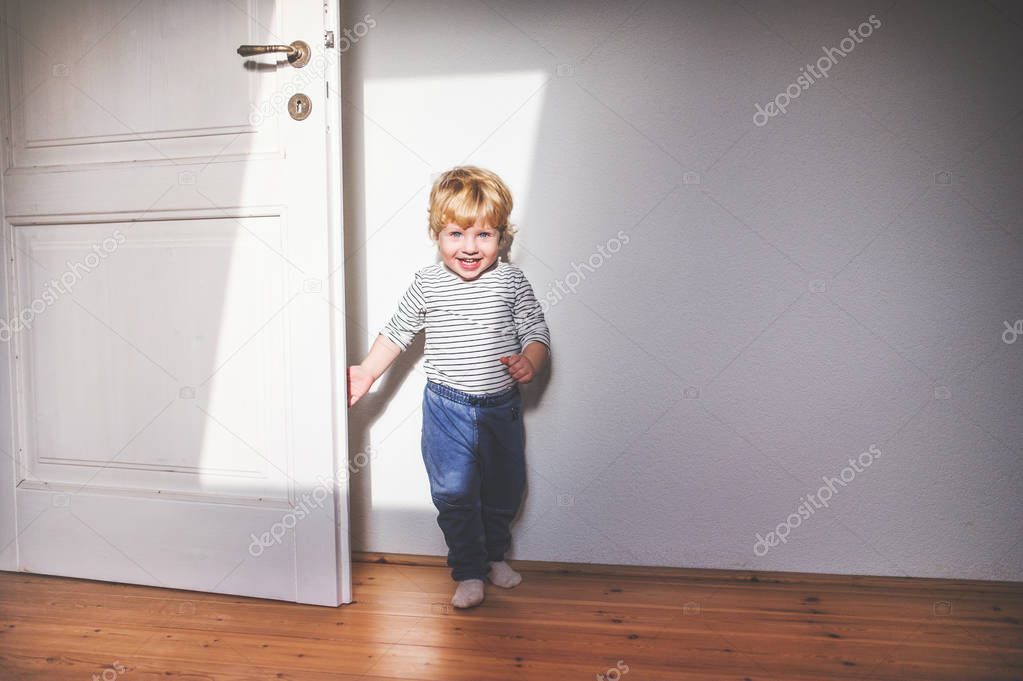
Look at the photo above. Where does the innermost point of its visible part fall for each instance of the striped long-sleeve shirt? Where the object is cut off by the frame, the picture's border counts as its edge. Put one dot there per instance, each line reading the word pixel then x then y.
pixel 469 324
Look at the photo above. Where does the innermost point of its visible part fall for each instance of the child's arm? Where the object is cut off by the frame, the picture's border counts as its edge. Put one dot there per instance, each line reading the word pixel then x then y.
pixel 395 338
pixel 536 353
pixel 381 356
pixel 362 376
pixel 531 328
pixel 527 365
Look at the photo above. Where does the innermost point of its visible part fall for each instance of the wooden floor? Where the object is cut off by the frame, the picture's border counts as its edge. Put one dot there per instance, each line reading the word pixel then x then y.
pixel 634 624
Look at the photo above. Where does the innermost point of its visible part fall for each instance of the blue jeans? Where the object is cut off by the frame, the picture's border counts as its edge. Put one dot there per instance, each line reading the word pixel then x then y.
pixel 474 451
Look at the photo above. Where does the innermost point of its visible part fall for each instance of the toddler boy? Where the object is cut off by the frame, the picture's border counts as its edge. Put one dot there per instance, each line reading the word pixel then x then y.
pixel 485 334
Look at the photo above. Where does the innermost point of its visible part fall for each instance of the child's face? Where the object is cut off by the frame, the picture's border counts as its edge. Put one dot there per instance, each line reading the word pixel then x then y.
pixel 468 252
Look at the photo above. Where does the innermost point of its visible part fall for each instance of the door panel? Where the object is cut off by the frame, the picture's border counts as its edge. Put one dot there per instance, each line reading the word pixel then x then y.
pixel 220 395
pixel 123 80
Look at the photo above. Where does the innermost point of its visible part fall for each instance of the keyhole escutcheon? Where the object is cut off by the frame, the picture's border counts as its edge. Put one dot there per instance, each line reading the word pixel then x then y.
pixel 299 106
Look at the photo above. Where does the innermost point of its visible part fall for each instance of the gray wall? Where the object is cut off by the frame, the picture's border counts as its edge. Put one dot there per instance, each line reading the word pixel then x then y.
pixel 782 298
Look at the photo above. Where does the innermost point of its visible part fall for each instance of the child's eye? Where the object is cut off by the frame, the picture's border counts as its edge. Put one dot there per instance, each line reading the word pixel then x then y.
pixel 485 234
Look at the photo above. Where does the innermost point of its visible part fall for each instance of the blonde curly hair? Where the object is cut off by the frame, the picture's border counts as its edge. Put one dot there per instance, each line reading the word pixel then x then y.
pixel 467 194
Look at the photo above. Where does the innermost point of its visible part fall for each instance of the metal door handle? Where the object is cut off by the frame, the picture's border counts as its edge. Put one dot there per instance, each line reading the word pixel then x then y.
pixel 297 52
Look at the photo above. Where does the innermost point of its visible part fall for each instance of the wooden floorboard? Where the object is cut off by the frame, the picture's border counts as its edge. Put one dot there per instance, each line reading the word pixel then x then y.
pixel 562 622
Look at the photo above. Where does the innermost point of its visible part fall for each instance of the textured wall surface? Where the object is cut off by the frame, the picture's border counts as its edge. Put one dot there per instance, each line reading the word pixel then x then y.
pixel 752 275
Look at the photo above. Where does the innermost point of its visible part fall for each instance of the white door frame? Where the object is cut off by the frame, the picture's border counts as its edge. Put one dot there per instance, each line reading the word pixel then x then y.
pixel 8 463
pixel 336 293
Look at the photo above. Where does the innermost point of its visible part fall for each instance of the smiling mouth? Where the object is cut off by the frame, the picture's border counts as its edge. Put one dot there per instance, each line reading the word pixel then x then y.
pixel 470 260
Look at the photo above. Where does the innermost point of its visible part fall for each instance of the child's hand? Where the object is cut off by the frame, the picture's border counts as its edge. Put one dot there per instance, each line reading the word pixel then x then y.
pixel 359 382
pixel 519 366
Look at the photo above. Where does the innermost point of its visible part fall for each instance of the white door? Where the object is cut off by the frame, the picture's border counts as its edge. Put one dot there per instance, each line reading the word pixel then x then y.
pixel 172 383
